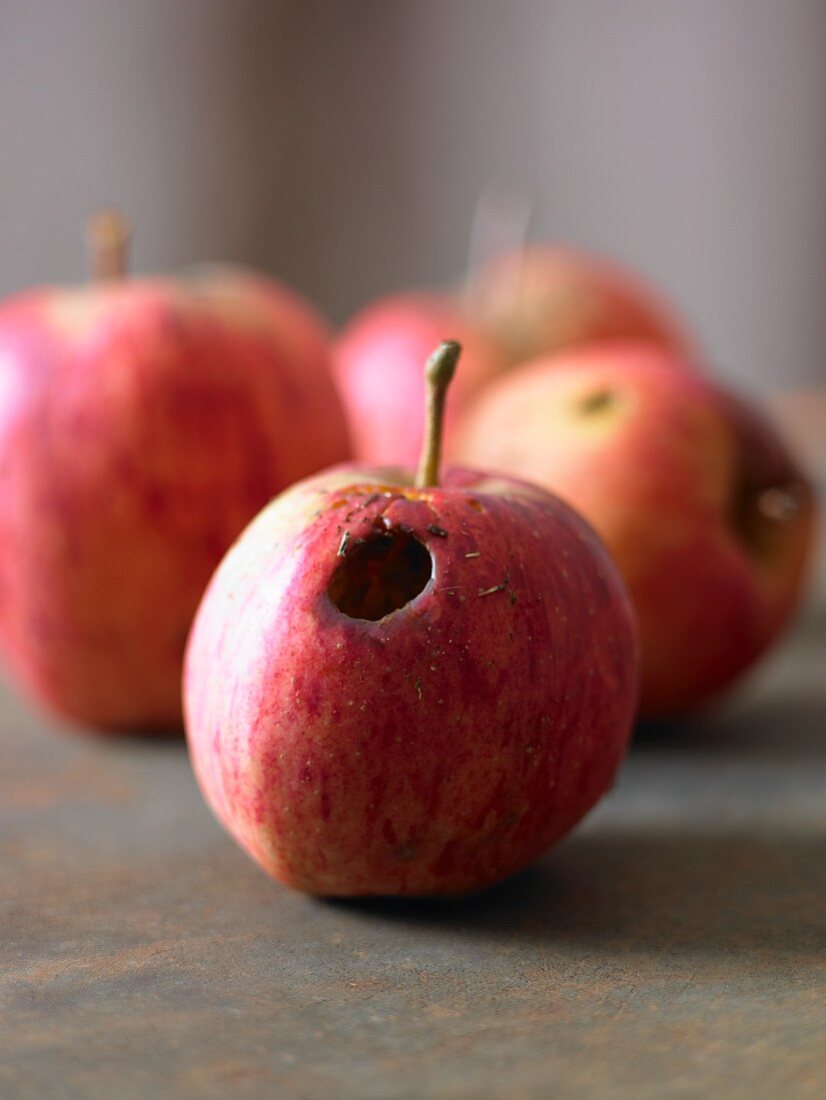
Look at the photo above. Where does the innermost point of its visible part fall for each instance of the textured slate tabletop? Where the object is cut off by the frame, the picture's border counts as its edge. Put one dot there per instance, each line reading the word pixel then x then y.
pixel 675 946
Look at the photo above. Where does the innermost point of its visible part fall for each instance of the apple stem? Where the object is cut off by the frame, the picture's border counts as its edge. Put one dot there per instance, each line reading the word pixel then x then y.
pixel 440 368
pixel 108 232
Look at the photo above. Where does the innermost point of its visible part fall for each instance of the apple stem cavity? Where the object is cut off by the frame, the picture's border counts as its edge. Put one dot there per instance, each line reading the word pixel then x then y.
pixel 439 370
pixel 108 232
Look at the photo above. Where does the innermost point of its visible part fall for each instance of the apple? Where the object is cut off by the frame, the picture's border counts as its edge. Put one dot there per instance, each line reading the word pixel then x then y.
pixel 544 298
pixel 400 686
pixel 707 515
pixel 377 363
pixel 531 301
pixel 142 424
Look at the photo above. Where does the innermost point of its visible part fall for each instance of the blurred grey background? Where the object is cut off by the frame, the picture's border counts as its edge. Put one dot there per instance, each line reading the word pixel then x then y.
pixel 343 144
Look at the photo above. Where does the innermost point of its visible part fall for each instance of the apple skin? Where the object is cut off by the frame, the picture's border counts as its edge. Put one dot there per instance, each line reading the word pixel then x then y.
pixel 544 299
pixel 377 363
pixel 142 424
pixel 436 750
pixel 671 472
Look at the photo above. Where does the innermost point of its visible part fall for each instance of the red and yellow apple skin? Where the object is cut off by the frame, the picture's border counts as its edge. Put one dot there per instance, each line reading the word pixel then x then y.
pixel 545 299
pixel 377 363
pixel 706 514
pixel 142 424
pixel 435 750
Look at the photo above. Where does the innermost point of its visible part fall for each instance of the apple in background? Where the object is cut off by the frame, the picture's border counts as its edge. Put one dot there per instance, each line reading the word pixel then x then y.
pixel 532 301
pixel 544 298
pixel 377 363
pixel 706 514
pixel 142 424
pixel 396 686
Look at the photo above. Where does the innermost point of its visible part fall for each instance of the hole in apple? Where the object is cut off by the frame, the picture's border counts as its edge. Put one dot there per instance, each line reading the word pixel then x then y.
pixel 381 575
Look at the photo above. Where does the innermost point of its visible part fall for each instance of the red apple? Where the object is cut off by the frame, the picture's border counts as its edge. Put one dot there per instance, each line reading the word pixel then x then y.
pixel 377 361
pixel 542 299
pixel 399 687
pixel 706 514
pixel 142 424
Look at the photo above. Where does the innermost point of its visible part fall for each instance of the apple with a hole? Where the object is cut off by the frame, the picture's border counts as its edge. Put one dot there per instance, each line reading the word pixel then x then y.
pixel 544 298
pixel 397 685
pixel 377 364
pixel 143 423
pixel 705 512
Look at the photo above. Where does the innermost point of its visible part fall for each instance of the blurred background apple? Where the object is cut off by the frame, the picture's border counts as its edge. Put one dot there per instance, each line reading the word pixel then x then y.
pixel 143 423
pixel 377 364
pixel 539 299
pixel 705 512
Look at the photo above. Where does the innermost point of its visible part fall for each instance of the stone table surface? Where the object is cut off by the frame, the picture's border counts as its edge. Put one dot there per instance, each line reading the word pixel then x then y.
pixel 675 946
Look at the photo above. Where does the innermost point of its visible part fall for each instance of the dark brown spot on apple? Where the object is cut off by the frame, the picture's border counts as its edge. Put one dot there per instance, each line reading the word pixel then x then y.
pixel 495 588
pixel 761 515
pixel 599 401
pixel 475 504
pixel 381 575
pixel 780 503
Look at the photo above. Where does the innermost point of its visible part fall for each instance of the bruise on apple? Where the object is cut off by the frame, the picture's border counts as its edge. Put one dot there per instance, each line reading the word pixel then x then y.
pixel 381 574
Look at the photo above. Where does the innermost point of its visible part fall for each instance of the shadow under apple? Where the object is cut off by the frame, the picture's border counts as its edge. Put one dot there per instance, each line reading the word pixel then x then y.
pixel 751 899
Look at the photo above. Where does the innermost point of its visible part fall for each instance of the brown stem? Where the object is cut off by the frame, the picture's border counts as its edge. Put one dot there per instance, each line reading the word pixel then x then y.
pixel 108 232
pixel 438 372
